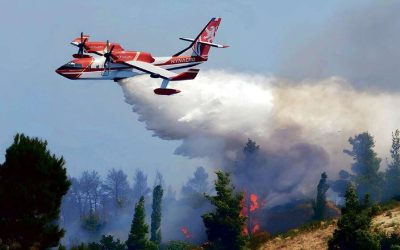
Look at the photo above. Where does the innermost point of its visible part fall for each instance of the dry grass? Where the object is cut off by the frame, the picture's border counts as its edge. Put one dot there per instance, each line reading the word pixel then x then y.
pixel 315 239
pixel 388 222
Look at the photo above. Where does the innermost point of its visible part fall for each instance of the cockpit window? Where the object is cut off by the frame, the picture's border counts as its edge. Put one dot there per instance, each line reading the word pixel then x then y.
pixel 73 65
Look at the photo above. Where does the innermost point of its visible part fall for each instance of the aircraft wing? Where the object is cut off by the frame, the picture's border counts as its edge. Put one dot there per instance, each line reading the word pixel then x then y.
pixel 154 71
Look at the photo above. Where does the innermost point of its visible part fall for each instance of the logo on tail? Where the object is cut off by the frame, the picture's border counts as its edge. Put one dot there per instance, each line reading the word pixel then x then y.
pixel 203 42
pixel 210 34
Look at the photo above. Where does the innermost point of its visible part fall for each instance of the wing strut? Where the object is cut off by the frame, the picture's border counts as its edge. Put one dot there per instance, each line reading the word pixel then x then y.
pixel 164 83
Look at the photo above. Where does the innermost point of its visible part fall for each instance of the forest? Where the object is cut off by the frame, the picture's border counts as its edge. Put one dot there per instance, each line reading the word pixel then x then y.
pixel 42 207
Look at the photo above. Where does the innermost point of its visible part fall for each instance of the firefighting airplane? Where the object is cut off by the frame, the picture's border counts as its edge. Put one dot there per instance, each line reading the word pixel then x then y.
pixel 111 62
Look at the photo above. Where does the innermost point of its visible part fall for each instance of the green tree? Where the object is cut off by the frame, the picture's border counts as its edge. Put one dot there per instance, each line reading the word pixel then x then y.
pixel 392 174
pixel 81 246
pixel 137 239
pixel 91 223
pixel 320 203
pixel 353 227
pixel 106 243
pixel 156 215
pixel 366 165
pixel 32 184
pixel 180 245
pixel 225 225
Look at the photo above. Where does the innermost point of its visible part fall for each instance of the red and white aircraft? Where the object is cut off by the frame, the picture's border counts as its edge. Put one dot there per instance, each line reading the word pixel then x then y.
pixel 111 62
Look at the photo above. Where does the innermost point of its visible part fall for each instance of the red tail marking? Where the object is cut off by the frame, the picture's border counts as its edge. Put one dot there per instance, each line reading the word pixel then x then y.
pixel 207 35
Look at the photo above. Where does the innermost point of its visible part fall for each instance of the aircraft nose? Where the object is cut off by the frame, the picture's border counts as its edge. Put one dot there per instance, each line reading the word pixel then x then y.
pixel 68 73
pixel 59 71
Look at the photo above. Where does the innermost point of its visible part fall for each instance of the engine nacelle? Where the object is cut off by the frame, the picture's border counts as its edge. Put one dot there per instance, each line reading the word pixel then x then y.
pixel 81 56
pixel 161 91
pixel 93 47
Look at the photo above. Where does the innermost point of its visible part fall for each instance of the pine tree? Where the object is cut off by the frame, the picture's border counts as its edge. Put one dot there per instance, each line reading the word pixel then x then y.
pixel 137 239
pixel 392 174
pixel 32 184
pixel 225 225
pixel 366 165
pixel 156 215
pixel 353 227
pixel 320 203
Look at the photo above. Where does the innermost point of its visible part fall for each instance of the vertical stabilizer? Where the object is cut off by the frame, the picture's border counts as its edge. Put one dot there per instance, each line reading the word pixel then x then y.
pixel 198 47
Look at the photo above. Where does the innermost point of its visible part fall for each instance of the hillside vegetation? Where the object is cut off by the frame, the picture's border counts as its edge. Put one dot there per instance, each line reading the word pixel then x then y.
pixel 316 236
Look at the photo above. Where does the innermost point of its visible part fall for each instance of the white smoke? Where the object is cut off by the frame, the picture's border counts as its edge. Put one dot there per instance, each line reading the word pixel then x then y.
pixel 216 113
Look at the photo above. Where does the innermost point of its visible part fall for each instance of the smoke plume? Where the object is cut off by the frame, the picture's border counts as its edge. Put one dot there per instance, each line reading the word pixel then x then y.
pixel 360 44
pixel 301 127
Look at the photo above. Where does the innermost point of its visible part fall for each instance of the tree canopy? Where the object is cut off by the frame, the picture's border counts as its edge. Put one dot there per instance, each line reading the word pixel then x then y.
pixel 392 174
pixel 137 239
pixel 32 184
pixel 353 227
pixel 156 215
pixel 366 165
pixel 224 226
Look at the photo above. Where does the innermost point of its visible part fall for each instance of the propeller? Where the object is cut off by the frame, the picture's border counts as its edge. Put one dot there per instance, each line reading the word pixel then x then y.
pixel 81 45
pixel 108 55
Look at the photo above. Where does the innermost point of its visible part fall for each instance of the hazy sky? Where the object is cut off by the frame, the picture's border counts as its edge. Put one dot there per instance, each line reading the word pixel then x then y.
pixel 88 122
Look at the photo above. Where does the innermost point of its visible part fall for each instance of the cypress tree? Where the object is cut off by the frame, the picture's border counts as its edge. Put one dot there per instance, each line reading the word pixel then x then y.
pixel 320 203
pixel 392 174
pixel 156 215
pixel 137 239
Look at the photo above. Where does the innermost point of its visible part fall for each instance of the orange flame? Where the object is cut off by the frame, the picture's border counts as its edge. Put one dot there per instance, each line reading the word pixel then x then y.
pixel 254 203
pixel 248 209
pixel 256 228
pixel 185 232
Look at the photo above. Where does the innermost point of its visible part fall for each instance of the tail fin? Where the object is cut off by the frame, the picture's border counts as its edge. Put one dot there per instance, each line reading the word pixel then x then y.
pixel 201 45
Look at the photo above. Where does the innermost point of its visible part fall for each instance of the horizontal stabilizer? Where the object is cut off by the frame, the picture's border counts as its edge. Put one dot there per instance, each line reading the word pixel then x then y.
pixel 216 45
pixel 187 75
pixel 162 91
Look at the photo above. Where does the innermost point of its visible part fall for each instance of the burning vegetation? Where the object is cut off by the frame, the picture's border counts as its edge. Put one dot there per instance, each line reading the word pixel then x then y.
pixel 229 219
pixel 185 232
pixel 251 204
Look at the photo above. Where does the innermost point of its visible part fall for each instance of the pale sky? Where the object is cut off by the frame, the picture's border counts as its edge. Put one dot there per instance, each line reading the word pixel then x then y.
pixel 88 122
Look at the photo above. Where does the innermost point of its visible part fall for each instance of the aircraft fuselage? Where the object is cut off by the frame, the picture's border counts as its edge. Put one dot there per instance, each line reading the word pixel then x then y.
pixel 93 68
